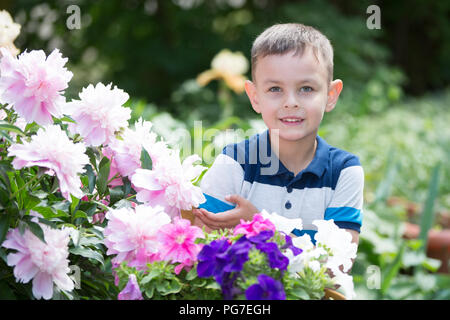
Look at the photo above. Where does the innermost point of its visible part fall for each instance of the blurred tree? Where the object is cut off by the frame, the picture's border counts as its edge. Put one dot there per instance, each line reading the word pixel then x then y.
pixel 150 47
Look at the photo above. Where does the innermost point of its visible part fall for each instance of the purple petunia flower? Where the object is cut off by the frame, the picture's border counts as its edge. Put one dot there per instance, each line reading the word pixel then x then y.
pixel 263 236
pixel 227 282
pixel 266 288
pixel 237 255
pixel 131 290
pixel 211 259
pixel 276 258
pixel 289 245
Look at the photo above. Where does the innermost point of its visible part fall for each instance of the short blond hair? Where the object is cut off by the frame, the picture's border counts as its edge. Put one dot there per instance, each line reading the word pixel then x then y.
pixel 287 37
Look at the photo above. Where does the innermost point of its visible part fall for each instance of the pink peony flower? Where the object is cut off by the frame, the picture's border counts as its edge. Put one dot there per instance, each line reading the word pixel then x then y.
pixel 113 168
pixel 98 217
pixel 44 263
pixel 252 228
pixel 33 84
pixel 99 113
pixel 169 184
pixel 51 148
pixel 131 234
pixel 127 151
pixel 131 290
pixel 178 242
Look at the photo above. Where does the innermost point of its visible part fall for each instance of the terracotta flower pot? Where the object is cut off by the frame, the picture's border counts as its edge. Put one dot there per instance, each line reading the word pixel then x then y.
pixel 438 245
pixel 188 215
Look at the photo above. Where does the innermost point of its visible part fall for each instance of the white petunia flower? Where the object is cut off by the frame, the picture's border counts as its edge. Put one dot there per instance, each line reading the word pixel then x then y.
pixel 281 223
pixel 339 241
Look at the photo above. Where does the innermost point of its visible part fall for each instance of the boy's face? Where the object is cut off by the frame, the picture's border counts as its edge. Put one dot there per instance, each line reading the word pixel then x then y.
pixel 292 93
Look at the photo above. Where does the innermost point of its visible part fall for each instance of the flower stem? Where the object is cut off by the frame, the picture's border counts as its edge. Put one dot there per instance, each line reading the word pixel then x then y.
pixel 26 185
pixel 130 197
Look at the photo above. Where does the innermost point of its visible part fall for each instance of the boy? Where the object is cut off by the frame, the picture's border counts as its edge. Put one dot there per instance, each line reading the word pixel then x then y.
pixel 292 73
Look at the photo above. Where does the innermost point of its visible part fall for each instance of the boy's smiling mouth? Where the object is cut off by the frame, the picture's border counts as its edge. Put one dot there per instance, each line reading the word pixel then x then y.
pixel 291 121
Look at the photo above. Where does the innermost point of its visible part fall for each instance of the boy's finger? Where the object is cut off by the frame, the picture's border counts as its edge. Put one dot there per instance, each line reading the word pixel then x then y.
pixel 221 217
pixel 210 224
pixel 235 198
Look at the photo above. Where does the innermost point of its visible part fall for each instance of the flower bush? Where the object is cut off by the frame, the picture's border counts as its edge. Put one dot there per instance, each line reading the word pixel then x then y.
pixel 67 168
pixel 255 260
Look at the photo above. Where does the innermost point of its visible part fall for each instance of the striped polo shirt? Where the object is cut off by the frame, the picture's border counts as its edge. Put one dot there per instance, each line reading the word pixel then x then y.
pixel 330 187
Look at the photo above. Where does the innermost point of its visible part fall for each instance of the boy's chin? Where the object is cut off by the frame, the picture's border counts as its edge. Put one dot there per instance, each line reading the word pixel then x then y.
pixel 291 136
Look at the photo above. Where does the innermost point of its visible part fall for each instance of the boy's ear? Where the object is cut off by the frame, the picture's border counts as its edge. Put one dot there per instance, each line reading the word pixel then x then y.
pixel 333 94
pixel 250 89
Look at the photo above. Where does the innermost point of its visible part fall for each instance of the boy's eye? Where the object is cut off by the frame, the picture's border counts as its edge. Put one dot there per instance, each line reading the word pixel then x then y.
pixel 306 89
pixel 275 89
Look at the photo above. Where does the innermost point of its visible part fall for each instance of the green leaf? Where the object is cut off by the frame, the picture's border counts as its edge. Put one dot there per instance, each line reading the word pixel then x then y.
pixel 91 177
pixel 6 293
pixel 4 226
pixel 103 174
pixel 47 212
pixel 67 119
pixel 22 193
pixel 167 287
pixel 115 194
pixel 146 160
pixel 3 255
pixel 431 264
pixel 4 197
pixel 36 229
pixel 89 241
pixel 51 224
pixel 427 217
pixel 192 274
pixel 5 126
pixel 92 158
pixel 126 186
pixel 22 227
pixel 300 293
pixel 12 181
pixel 152 275
pixel 6 137
pixel 88 207
pixel 4 168
pixel 74 204
pixel 80 214
pixel 392 270
pixel 30 202
pixel 213 285
pixel 87 253
pixel 149 291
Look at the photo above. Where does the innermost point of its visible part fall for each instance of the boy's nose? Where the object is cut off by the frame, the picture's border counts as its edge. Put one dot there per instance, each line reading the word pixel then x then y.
pixel 291 102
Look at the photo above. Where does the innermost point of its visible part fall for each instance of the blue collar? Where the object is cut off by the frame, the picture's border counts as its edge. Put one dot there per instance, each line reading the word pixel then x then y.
pixel 317 166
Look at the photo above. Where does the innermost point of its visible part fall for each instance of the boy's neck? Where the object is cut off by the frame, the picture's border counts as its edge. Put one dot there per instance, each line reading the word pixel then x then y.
pixel 295 155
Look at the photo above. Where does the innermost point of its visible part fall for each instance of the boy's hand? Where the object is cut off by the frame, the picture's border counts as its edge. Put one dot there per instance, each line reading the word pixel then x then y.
pixel 199 223
pixel 228 219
